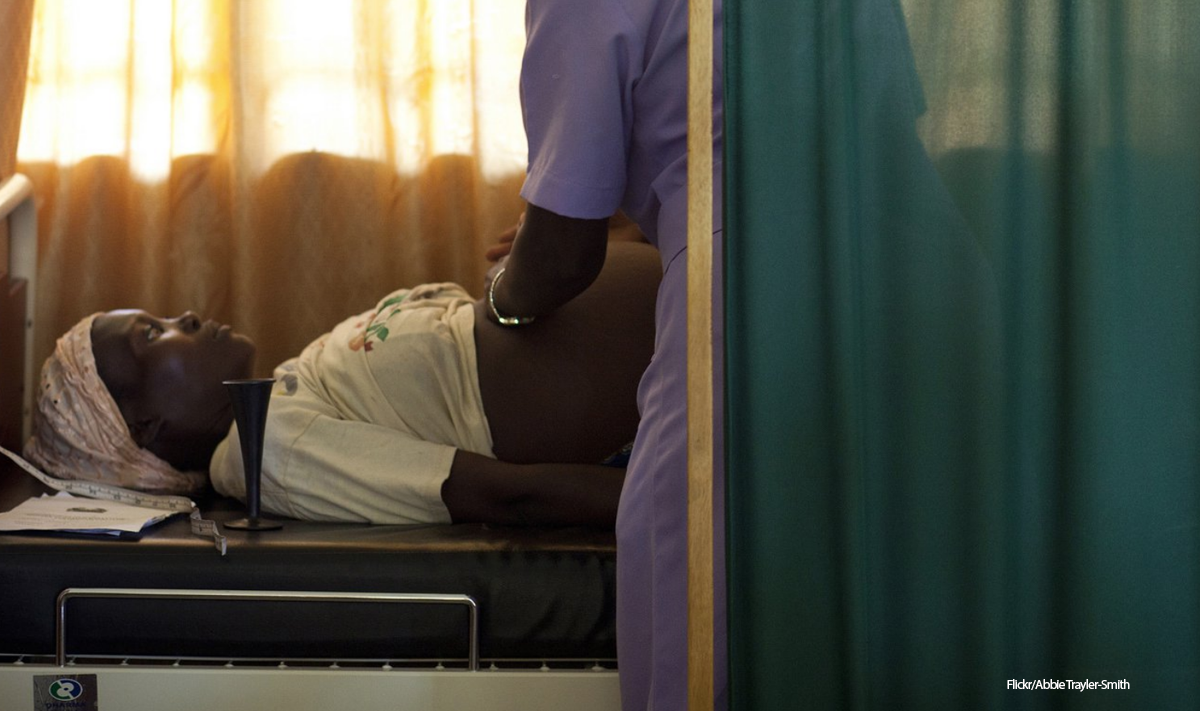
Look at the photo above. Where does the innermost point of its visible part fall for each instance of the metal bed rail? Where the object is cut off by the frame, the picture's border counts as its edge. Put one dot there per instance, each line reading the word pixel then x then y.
pixel 17 205
pixel 60 625
pixel 385 664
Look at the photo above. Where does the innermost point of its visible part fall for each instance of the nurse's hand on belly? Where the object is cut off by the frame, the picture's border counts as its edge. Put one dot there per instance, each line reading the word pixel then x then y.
pixel 504 242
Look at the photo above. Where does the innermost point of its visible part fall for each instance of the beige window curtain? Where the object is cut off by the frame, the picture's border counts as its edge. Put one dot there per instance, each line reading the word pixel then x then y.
pixel 277 164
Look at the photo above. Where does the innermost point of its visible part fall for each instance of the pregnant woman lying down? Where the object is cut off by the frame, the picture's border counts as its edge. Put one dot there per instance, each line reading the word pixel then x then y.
pixel 418 410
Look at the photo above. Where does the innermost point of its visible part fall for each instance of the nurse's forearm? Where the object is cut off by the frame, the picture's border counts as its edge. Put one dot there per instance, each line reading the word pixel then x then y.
pixel 553 260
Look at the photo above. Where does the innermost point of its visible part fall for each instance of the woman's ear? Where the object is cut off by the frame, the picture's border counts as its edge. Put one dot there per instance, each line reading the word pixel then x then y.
pixel 145 430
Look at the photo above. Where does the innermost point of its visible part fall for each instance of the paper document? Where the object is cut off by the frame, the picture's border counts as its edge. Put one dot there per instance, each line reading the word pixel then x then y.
pixel 64 512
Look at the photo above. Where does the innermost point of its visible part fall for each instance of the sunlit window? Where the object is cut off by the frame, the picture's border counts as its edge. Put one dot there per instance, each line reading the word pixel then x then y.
pixel 399 81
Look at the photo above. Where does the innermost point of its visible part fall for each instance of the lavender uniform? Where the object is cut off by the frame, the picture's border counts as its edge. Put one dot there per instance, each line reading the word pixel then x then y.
pixel 604 98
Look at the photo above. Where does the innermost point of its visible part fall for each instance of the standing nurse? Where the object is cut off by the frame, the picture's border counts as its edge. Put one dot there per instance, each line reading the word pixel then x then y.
pixel 604 95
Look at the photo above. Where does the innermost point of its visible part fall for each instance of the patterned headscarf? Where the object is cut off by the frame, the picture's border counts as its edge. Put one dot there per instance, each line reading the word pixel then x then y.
pixel 79 432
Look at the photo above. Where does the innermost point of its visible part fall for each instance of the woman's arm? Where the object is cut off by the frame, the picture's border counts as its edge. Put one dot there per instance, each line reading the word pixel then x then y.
pixel 483 489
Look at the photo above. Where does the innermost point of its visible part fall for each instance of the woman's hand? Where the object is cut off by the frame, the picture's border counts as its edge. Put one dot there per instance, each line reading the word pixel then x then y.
pixel 482 489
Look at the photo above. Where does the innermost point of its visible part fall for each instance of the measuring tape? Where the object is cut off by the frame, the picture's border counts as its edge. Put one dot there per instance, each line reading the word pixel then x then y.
pixel 200 526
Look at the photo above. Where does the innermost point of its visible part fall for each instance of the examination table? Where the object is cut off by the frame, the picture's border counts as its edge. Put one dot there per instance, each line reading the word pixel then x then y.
pixel 539 626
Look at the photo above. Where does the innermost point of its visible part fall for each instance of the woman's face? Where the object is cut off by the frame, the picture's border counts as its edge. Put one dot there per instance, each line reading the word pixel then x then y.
pixel 167 373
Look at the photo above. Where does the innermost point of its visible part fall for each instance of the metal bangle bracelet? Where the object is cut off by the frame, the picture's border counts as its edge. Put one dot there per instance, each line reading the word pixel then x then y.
pixel 501 319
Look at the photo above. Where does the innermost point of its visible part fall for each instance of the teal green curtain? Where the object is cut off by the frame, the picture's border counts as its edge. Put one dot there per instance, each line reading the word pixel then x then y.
pixel 962 257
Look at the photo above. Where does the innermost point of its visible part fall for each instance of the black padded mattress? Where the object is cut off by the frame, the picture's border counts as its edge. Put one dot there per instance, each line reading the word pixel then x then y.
pixel 542 593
